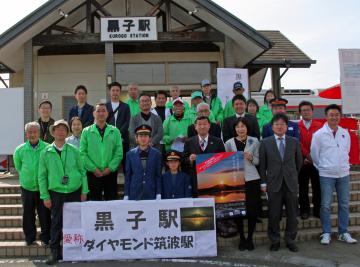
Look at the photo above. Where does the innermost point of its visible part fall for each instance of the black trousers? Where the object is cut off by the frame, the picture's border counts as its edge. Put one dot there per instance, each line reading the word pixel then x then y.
pixel 102 187
pixel 57 203
pixel 309 172
pixel 31 201
pixel 276 202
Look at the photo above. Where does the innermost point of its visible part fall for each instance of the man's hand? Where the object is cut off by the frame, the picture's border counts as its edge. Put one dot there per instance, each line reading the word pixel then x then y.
pixel 192 158
pixel 106 172
pixel 263 188
pixel 47 203
pixel 83 197
pixel 98 173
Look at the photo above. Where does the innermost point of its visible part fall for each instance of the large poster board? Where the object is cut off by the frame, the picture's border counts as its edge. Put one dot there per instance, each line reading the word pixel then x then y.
pixel 350 80
pixel 11 119
pixel 226 77
pixel 221 176
pixel 112 230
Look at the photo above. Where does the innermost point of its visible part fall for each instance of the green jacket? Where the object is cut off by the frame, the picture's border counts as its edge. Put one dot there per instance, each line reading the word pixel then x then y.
pixel 216 107
pixel 169 105
pixel 228 110
pixel 264 116
pixel 134 106
pixel 51 171
pixel 26 160
pixel 101 153
pixel 47 137
pixel 193 114
pixel 174 128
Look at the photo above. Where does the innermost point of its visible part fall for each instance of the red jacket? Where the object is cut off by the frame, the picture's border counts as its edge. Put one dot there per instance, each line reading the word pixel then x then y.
pixel 306 136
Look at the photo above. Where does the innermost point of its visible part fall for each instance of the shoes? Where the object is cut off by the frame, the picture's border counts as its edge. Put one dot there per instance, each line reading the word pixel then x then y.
pixel 53 258
pixel 29 243
pixel 305 216
pixel 44 243
pixel 325 239
pixel 275 246
pixel 292 247
pixel 242 245
pixel 346 237
pixel 250 245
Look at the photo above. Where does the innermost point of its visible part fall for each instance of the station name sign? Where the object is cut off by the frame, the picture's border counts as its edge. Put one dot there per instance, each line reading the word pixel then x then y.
pixel 128 29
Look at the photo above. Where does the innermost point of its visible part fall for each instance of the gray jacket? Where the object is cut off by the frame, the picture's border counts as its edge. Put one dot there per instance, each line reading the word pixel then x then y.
pixel 154 122
pixel 252 146
pixel 273 170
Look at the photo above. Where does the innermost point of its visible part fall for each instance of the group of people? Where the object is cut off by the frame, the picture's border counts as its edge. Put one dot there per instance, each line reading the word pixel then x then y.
pixel 79 160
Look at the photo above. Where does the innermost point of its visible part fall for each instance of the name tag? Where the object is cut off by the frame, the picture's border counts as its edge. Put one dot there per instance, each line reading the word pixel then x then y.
pixel 290 128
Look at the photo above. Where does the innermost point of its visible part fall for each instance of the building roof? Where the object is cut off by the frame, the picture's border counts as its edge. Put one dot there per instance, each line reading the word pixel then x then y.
pixel 283 53
pixel 247 41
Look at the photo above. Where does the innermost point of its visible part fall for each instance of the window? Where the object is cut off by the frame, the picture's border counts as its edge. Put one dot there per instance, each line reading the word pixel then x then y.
pixel 191 73
pixel 143 73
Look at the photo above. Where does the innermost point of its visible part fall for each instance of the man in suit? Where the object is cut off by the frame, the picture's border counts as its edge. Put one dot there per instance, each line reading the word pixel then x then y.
pixel 119 115
pixel 280 162
pixel 239 105
pixel 146 117
pixel 203 109
pixel 202 143
pixel 143 168
pixel 82 109
pixel 278 106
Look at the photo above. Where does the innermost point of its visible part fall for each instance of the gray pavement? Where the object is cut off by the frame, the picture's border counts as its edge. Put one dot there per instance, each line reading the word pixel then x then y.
pixel 311 253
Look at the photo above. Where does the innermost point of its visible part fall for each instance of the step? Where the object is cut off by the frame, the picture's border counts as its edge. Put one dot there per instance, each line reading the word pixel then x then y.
pixel 354 196
pixel 11 209
pixel 10 189
pixel 261 238
pixel 13 234
pixel 10 199
pixel 19 249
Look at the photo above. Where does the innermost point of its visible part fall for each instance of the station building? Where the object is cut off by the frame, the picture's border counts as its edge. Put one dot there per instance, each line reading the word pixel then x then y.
pixel 60 45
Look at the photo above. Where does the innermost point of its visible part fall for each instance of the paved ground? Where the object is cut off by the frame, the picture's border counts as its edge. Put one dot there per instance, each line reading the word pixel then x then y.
pixel 311 254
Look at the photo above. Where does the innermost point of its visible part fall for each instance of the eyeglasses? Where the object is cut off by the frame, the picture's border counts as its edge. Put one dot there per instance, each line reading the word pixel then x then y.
pixel 279 124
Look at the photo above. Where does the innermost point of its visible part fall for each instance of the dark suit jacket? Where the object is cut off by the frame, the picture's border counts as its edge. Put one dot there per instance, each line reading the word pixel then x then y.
pixel 228 127
pixel 192 146
pixel 215 130
pixel 143 184
pixel 122 121
pixel 87 117
pixel 273 170
pixel 292 130
pixel 180 189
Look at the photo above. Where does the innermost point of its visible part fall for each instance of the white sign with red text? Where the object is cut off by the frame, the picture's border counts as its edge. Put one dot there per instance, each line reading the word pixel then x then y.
pixel 111 230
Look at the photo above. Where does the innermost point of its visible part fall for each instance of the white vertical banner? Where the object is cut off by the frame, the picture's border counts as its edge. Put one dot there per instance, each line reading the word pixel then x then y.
pixel 350 80
pixel 111 230
pixel 226 77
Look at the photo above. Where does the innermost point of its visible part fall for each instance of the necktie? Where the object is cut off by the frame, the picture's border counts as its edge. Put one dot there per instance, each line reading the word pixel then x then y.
pixel 202 144
pixel 282 148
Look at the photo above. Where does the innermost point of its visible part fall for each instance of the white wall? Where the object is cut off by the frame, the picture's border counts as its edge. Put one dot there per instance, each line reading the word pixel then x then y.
pixel 59 75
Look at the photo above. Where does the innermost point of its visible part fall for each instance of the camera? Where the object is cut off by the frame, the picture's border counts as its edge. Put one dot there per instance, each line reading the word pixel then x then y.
pixel 65 180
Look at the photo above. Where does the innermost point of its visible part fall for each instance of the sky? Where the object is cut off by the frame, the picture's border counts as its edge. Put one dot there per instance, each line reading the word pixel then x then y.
pixel 319 28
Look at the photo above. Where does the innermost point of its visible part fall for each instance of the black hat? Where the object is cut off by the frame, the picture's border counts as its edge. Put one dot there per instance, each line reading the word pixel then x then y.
pixel 238 85
pixel 143 129
pixel 173 155
pixel 278 101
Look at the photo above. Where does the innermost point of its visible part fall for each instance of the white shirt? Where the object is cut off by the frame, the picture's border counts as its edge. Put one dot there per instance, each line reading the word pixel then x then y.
pixel 114 106
pixel 206 139
pixel 307 123
pixel 240 115
pixel 278 141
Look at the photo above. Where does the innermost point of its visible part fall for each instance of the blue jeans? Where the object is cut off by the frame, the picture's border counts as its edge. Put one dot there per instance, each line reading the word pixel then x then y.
pixel 327 185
